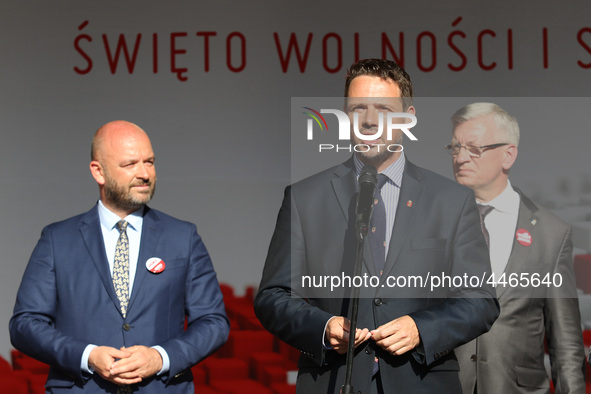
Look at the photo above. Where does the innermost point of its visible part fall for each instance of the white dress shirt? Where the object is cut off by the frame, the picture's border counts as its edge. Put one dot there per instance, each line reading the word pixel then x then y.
pixel 501 224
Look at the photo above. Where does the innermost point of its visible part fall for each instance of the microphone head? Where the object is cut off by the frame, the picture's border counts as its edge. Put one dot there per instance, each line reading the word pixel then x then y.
pixel 368 180
pixel 368 174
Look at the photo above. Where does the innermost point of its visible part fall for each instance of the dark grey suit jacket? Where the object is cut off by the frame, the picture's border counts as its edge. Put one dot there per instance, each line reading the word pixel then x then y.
pixel 436 231
pixel 510 357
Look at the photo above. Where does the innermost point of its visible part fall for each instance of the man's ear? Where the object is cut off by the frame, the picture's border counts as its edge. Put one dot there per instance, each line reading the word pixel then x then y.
pixel 510 157
pixel 411 110
pixel 96 169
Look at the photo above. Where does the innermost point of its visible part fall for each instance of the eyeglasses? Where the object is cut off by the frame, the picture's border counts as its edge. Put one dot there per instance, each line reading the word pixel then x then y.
pixel 474 151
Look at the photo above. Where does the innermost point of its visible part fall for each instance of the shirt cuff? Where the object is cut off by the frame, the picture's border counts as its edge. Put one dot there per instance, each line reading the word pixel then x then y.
pixel 165 360
pixel 84 367
pixel 327 347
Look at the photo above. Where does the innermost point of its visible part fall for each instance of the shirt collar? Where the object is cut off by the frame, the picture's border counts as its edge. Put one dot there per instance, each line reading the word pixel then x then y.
pixel 109 219
pixel 394 171
pixel 507 201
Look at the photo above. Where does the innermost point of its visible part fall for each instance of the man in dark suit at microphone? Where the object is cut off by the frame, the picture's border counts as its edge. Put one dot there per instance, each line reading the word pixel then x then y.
pixel 422 225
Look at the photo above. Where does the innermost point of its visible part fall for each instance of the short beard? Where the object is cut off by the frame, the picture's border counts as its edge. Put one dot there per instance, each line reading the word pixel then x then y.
pixel 121 198
pixel 380 157
pixel 376 159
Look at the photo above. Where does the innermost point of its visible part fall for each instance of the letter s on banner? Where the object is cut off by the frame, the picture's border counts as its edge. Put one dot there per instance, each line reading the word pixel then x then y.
pixel 81 52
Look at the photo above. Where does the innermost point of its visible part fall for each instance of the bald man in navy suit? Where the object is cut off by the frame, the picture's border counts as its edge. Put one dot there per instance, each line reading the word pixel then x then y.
pixel 70 312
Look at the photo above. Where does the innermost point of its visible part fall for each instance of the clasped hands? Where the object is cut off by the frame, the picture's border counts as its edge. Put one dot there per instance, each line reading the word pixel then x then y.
pixel 126 365
pixel 396 337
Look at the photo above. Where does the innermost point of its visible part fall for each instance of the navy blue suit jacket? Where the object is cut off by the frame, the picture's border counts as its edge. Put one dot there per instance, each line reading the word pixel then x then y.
pixel 66 301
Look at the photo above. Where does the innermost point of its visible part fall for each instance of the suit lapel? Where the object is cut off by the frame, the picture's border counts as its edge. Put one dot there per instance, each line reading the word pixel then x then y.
pixel 93 239
pixel 344 185
pixel 150 236
pixel 410 190
pixel 519 254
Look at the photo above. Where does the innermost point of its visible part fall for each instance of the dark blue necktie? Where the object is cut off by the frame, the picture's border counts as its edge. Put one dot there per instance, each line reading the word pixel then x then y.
pixel 377 235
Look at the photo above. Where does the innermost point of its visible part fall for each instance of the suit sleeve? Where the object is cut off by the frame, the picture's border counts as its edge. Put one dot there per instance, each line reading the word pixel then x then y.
pixel 284 313
pixel 562 321
pixel 470 310
pixel 32 326
pixel 207 324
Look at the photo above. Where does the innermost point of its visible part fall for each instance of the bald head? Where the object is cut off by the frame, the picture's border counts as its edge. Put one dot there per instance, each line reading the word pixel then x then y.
pixel 123 166
pixel 113 132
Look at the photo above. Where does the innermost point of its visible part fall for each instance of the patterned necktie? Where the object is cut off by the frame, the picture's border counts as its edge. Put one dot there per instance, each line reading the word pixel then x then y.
pixel 484 210
pixel 121 267
pixel 377 236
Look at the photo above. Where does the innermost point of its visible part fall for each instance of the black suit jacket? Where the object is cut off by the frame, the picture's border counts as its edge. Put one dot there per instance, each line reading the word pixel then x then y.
pixel 436 232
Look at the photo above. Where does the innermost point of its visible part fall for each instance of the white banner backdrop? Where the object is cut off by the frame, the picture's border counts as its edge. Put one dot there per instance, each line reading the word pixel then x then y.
pixel 211 83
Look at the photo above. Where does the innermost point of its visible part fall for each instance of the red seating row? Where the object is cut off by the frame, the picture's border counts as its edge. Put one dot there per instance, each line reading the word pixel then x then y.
pixel 252 360
pixel 25 376
pixel 582 266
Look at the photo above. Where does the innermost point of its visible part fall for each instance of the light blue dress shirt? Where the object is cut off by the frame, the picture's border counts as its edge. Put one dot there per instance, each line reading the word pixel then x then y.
pixel 390 191
pixel 108 221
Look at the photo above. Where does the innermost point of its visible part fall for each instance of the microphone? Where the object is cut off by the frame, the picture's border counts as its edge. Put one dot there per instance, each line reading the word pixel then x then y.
pixel 368 180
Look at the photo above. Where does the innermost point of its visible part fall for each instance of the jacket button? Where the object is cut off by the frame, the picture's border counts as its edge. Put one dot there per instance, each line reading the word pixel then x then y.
pixel 377 301
pixel 126 327
pixel 473 358
pixel 368 350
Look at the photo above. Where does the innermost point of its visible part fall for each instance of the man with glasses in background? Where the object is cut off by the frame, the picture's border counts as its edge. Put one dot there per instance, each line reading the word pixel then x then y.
pixel 529 248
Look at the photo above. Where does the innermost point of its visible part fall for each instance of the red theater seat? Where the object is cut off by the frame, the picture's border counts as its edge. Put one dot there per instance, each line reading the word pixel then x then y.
pixel 587 338
pixel 240 386
pixel 10 384
pixel 283 388
pixel 37 384
pixel 243 343
pixel 582 266
pixel 225 369
pixel 199 374
pixel 21 361
pixel 17 380
pixel 252 360
pixel 273 374
pixel 5 367
pixel 259 361
pixel 205 389
pixel 290 352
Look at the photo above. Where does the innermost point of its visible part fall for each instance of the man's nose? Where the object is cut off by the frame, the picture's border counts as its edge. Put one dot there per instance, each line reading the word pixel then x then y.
pixel 463 156
pixel 371 118
pixel 142 171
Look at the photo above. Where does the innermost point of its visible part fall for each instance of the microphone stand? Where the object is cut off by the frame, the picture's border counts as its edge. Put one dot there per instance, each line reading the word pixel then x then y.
pixel 361 233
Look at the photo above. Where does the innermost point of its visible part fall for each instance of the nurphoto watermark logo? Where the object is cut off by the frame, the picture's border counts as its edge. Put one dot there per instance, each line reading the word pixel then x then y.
pixel 388 123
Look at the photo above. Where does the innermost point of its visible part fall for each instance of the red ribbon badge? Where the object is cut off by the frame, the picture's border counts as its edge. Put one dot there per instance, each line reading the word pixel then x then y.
pixel 523 237
pixel 155 265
